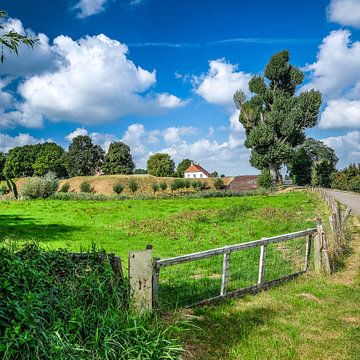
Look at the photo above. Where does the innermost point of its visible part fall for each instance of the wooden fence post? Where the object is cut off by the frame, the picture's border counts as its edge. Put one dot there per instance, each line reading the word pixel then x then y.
pixel 155 288
pixel 262 264
pixel 141 279
pixel 307 252
pixel 225 273
pixel 321 250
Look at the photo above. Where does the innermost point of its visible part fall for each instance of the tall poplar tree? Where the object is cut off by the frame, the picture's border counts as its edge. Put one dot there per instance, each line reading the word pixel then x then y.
pixel 275 117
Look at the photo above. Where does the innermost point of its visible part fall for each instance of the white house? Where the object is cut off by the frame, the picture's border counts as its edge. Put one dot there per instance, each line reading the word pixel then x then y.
pixel 195 171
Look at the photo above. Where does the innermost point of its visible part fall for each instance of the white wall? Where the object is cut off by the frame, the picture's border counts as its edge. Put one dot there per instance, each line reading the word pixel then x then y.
pixel 195 175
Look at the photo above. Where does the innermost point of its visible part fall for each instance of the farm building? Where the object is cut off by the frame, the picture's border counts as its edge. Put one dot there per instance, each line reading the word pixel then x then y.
pixel 195 171
pixel 245 182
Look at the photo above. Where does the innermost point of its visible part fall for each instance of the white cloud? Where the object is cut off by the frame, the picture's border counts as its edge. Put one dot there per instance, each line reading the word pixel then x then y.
pixel 175 134
pixel 347 147
pixel 42 57
pixel 87 8
pixel 345 12
pixel 95 82
pixel 341 113
pixel 220 83
pixel 337 68
pixel 7 142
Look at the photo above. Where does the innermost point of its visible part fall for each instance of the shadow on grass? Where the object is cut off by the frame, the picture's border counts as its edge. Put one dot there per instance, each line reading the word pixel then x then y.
pixel 222 330
pixel 26 228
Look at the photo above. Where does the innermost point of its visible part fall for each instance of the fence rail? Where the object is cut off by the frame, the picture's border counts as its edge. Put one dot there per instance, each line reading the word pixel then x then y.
pixel 303 249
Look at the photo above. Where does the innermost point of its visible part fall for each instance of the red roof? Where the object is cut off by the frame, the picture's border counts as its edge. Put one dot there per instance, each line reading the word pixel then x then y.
pixel 197 168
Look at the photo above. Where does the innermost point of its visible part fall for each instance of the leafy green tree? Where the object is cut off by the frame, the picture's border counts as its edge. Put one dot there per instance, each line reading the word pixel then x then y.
pixel 133 186
pixel 140 171
pixel 318 151
pixel 2 164
pixel 12 40
pixel 219 183
pixel 118 159
pixel 50 158
pixel 163 186
pixel 275 118
pixel 265 180
pixel 160 165
pixel 83 157
pixel 20 160
pixel 215 174
pixel 155 187
pixel 322 174
pixel 301 167
pixel 182 166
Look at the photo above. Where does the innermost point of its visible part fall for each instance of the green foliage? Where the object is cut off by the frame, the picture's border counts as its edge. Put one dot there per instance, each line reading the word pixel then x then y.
pixel 275 118
pixel 118 187
pixel 40 187
pixel 204 185
pixel 54 306
pixel 2 164
pixel 322 173
pixel 160 165
pixel 3 190
pixel 163 186
pixel 187 183
pixel 50 158
pixel 196 184
pixel 65 188
pixel 177 184
pixel 12 39
pixel 133 186
pixel 12 187
pixel 182 166
pixel 85 187
pixel 83 158
pixel 301 167
pixel 219 184
pixel 118 159
pixel 214 174
pixel 140 171
pixel 155 187
pixel 265 180
pixel 347 179
pixel 20 160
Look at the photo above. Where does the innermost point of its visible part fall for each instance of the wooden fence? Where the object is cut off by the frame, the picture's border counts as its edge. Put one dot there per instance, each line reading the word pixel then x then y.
pixel 144 285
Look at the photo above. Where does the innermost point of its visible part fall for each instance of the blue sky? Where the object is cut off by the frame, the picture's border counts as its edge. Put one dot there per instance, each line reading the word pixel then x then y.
pixel 159 75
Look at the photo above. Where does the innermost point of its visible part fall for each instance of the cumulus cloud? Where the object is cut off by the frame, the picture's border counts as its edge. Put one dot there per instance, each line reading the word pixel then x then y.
pixel 89 81
pixel 221 81
pixel 175 134
pixel 347 147
pixel 345 12
pixel 337 68
pixel 341 113
pixel 7 142
pixel 39 59
pixel 87 8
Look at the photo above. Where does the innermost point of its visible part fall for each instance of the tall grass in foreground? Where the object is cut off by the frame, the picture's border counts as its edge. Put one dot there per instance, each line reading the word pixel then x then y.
pixel 52 307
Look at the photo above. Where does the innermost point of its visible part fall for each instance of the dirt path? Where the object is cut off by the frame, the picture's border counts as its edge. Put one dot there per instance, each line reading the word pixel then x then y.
pixel 350 199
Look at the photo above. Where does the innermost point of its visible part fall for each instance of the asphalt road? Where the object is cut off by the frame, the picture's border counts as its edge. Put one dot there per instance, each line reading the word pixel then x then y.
pixel 352 200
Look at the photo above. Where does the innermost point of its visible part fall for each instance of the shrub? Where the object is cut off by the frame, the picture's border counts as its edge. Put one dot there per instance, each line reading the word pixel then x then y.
pixel 118 187
pixel 196 184
pixel 264 180
pixel 163 186
pixel 187 183
pixel 85 187
pixel 3 190
pixel 204 186
pixel 219 184
pixel 40 187
pixel 155 187
pixel 177 184
pixel 65 188
pixel 133 186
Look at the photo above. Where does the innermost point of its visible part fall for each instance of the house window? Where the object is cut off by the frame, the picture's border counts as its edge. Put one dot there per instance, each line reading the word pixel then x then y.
pixel 201 175
pixel 194 176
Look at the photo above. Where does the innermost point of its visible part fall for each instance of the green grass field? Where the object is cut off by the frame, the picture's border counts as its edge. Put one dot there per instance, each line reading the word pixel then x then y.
pixel 309 318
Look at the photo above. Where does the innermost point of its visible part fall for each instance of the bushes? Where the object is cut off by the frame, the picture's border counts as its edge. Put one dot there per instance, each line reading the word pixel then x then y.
pixel 65 188
pixel 219 184
pixel 40 187
pixel 118 188
pixel 155 187
pixel 264 180
pixel 52 307
pixel 85 187
pixel 163 186
pixel 133 186
pixel 3 190
pixel 347 179
pixel 196 184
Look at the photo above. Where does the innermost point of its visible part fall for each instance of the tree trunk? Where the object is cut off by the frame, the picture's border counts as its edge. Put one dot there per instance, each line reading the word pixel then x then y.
pixel 274 173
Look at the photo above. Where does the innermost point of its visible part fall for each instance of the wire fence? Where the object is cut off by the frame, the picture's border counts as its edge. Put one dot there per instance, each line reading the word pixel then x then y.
pixel 230 271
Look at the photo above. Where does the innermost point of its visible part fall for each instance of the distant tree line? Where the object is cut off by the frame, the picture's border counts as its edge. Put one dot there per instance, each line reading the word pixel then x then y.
pixel 83 158
pixel 347 179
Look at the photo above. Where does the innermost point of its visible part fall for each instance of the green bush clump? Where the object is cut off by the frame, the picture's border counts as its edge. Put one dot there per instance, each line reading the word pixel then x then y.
pixel 204 186
pixel 118 187
pixel 3 190
pixel 40 187
pixel 177 184
pixel 219 184
pixel 196 184
pixel 155 187
pixel 133 186
pixel 163 186
pixel 65 188
pixel 55 306
pixel 347 179
pixel 85 187
pixel 264 180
